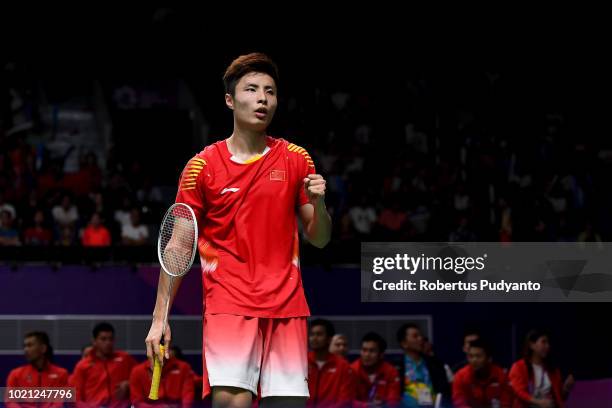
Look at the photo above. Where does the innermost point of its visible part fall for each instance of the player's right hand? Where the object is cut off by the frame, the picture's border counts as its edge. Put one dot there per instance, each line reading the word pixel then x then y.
pixel 154 338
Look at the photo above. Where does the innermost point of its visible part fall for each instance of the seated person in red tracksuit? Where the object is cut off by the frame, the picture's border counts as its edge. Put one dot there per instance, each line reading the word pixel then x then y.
pixel 535 380
pixel 101 378
pixel 377 383
pixel 175 351
pixel 176 387
pixel 481 383
pixel 339 345
pixel 330 381
pixel 39 372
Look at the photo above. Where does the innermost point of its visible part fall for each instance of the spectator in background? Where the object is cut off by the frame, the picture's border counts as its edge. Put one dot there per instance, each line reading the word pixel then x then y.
pixel 175 351
pixel 9 236
pixel 134 233
pixel 329 376
pixel 363 217
pixel 481 384
pixel 392 219
pixel 175 388
pixel 469 335
pixel 422 377
pixel 96 234
pixel 463 233
pixel 535 379
pixel 428 351
pixel 66 214
pixel 339 345
pixel 377 383
pixel 6 206
pixel 589 234
pixel 101 378
pixel 122 214
pixel 39 372
pixel 38 234
pixel 149 193
pixel 66 237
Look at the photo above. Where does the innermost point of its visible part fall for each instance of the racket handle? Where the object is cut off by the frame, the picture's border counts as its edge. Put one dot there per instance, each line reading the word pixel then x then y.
pixel 157 366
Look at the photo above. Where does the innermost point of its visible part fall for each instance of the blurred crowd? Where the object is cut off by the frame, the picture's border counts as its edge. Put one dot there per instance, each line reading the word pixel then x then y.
pixel 427 162
pixel 415 377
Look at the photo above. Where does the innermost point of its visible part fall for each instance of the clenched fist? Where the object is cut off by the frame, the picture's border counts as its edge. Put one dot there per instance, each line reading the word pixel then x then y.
pixel 315 188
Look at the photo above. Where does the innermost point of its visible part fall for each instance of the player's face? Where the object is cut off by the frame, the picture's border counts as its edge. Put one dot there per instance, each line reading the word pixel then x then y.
pixel 477 358
pixel 370 354
pixel 33 349
pixel 105 343
pixel 467 340
pixel 339 346
pixel 254 101
pixel 413 340
pixel 541 347
pixel 318 338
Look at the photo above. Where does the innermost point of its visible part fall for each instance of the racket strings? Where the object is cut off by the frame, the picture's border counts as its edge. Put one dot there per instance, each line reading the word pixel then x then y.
pixel 177 241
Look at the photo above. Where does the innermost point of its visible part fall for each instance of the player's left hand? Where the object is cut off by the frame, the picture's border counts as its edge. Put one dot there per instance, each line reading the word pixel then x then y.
pixel 315 188
pixel 122 390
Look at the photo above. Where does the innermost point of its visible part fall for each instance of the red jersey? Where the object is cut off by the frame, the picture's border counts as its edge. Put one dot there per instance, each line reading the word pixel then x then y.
pixel 175 388
pixel 470 391
pixel 28 376
pixel 96 380
pixel 248 237
pixel 330 386
pixel 384 385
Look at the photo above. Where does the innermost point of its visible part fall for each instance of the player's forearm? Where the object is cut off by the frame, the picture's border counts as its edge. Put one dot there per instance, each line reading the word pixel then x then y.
pixel 318 230
pixel 162 294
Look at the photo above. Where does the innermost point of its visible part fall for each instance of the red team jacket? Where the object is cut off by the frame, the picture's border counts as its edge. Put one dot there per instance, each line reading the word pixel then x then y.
pixel 384 388
pixel 331 385
pixel 470 392
pixel 95 380
pixel 521 380
pixel 176 386
pixel 28 376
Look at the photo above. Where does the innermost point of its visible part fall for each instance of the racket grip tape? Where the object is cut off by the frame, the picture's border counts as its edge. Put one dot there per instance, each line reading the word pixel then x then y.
pixel 157 366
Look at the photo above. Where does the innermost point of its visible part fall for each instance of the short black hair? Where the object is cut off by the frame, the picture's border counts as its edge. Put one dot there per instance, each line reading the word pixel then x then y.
pixel 102 327
pixel 471 330
pixel 401 332
pixel 329 327
pixel 377 338
pixel 178 352
pixel 245 64
pixel 42 338
pixel 480 343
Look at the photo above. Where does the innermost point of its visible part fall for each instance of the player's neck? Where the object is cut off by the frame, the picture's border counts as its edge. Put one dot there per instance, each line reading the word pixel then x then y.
pixel 39 364
pixel 321 355
pixel 102 356
pixel 371 369
pixel 246 142
pixel 415 356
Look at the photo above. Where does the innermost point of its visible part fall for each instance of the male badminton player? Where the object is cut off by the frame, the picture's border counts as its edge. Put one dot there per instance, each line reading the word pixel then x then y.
pixel 246 191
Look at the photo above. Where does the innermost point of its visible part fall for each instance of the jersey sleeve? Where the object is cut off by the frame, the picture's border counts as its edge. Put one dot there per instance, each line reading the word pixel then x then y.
pixel 191 186
pixel 305 166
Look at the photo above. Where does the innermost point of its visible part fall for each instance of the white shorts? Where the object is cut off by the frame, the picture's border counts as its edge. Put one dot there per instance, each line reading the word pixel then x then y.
pixel 247 352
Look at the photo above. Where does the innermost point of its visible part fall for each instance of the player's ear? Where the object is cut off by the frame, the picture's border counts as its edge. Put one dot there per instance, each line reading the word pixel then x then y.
pixel 229 101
